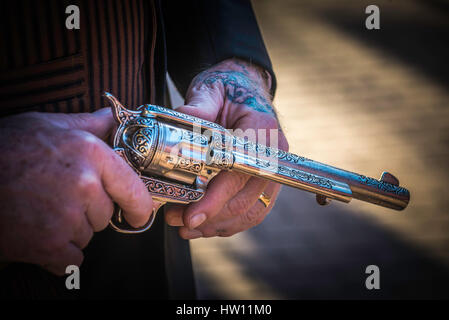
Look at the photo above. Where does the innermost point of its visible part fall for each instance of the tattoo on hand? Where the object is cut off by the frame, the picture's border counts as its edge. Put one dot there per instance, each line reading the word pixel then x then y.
pixel 239 88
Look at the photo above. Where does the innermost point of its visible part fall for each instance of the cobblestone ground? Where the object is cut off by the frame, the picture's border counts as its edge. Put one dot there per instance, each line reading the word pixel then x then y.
pixel 365 101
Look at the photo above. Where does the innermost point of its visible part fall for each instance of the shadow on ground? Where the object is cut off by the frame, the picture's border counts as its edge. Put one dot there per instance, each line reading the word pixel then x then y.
pixel 311 252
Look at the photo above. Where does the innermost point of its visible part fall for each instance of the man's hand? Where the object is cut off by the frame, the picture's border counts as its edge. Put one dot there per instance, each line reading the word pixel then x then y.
pixel 58 181
pixel 234 94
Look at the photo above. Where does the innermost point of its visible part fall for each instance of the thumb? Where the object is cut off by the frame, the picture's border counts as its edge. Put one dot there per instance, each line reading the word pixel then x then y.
pixel 99 123
pixel 202 103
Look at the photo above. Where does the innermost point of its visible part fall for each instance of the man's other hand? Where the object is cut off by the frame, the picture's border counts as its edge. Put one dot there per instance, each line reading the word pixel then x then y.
pixel 234 94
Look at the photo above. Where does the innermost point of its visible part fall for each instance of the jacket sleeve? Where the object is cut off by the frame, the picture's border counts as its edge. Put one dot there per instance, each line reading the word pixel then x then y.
pixel 201 33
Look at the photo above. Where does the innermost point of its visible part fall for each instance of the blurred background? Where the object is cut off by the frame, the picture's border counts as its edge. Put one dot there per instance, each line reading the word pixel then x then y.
pixel 365 101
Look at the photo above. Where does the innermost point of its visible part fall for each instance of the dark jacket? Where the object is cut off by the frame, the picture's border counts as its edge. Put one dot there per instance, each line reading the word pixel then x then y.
pixel 126 48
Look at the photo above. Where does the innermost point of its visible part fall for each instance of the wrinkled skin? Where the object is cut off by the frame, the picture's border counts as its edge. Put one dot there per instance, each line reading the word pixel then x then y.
pixel 58 181
pixel 235 95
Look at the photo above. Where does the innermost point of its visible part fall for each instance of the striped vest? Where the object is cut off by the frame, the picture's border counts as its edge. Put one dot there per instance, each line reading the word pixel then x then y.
pixel 46 67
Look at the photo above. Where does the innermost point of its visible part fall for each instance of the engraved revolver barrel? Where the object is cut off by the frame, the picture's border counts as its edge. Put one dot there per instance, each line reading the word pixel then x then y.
pixel 176 155
pixel 299 172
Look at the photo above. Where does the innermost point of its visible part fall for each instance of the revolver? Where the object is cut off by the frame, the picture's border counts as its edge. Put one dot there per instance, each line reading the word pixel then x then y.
pixel 176 155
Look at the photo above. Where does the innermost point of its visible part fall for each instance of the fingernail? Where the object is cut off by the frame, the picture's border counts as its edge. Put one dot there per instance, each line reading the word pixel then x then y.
pixel 193 234
pixel 197 219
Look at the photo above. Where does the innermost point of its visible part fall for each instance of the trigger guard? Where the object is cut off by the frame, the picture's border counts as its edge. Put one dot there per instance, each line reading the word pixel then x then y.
pixel 119 224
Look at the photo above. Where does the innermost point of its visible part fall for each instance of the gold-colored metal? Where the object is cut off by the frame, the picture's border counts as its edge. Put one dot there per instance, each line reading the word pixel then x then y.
pixel 265 199
pixel 118 222
pixel 176 155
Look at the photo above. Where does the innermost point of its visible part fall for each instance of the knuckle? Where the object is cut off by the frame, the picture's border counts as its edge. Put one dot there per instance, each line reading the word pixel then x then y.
pixel 83 141
pixel 228 184
pixel 80 136
pixel 252 217
pixel 88 181
pixel 238 206
pixel 183 233
pixel 209 232
pixel 81 118
pixel 235 181
pixel 224 233
pixel 242 179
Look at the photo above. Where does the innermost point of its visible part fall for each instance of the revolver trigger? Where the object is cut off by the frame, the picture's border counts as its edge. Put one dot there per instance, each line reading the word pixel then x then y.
pixel 389 178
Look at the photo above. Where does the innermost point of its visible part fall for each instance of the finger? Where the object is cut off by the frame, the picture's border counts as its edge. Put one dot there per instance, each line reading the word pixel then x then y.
pixel 232 225
pixel 125 187
pixel 102 123
pixel 236 206
pixel 99 123
pixel 83 233
pixel 68 255
pixel 200 110
pixel 223 228
pixel 244 199
pixel 202 102
pixel 100 208
pixel 174 215
pixel 220 190
pixel 189 234
pixel 258 211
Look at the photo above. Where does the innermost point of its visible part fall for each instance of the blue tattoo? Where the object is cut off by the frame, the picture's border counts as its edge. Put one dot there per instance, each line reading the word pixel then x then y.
pixel 239 89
